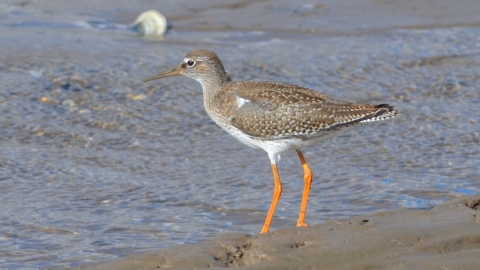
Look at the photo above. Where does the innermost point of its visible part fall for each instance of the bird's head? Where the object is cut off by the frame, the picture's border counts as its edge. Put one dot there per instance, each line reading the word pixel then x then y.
pixel 201 65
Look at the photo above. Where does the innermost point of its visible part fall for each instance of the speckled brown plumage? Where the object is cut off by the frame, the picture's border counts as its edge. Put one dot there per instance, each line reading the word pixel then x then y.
pixel 276 110
pixel 275 117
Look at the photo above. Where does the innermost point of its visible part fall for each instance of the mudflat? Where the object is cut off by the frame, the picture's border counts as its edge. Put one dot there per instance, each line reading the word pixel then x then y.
pixel 445 237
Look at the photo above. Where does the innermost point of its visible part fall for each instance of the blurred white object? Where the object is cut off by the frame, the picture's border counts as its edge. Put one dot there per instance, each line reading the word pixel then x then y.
pixel 151 23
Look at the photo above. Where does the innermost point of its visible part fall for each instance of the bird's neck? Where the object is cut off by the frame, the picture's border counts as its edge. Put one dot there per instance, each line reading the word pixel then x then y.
pixel 212 85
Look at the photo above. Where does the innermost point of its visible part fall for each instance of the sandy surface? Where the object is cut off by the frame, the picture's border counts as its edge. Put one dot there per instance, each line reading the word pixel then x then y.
pixel 446 237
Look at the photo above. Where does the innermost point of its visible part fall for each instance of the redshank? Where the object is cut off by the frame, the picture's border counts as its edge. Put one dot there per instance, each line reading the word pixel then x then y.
pixel 275 117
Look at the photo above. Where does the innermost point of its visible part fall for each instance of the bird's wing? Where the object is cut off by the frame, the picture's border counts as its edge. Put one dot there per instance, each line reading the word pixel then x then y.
pixel 276 93
pixel 284 110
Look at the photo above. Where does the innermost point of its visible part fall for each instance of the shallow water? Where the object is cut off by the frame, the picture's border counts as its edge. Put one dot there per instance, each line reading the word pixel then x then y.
pixel 95 164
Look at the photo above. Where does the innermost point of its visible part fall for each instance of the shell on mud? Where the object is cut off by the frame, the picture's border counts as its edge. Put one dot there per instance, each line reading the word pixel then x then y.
pixel 151 23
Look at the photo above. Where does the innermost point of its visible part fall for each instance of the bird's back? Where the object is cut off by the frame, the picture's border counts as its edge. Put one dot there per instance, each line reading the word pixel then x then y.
pixel 276 110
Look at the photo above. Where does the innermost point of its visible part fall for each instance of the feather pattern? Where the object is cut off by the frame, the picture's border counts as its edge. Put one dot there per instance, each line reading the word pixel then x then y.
pixel 276 110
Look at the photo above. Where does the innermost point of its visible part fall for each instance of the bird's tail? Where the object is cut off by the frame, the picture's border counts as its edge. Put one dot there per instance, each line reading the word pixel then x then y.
pixel 384 112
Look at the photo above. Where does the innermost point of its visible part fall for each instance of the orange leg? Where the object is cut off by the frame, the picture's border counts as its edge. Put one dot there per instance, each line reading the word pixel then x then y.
pixel 277 191
pixel 307 179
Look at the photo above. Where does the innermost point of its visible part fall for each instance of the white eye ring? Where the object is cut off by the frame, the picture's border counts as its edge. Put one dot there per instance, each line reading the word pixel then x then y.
pixel 190 62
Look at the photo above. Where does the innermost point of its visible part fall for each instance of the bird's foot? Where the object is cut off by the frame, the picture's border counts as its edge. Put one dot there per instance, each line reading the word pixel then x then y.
pixel 301 224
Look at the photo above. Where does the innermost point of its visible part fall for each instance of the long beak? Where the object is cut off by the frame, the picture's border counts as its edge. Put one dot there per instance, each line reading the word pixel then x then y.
pixel 172 72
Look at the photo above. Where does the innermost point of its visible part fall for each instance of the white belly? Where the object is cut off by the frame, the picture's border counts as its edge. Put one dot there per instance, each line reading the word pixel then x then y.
pixel 239 135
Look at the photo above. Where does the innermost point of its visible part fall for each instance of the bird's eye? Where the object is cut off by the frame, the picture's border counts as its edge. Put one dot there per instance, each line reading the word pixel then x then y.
pixel 190 63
